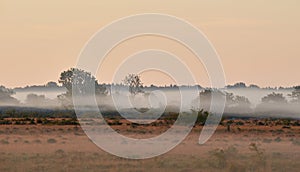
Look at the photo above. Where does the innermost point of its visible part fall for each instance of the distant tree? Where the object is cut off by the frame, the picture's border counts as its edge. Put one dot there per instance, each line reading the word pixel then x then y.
pixel 6 91
pixel 206 95
pixel 234 103
pixel 274 104
pixel 253 86
pixel 241 100
pixel 274 98
pixel 33 99
pixel 296 95
pixel 241 105
pixel 84 82
pixel 230 99
pixel 51 84
pixel 238 85
pixel 6 96
pixel 134 83
pixel 206 98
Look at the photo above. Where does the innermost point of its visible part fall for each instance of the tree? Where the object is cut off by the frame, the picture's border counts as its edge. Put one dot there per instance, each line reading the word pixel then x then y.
pixel 37 100
pixel 6 96
pixel 84 82
pixel 241 105
pixel 85 85
pixel 253 86
pixel 206 96
pixel 241 100
pixel 234 103
pixel 274 98
pixel 237 85
pixel 51 84
pixel 134 83
pixel 296 95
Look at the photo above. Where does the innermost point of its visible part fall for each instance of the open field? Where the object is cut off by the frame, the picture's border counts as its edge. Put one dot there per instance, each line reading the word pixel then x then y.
pixel 248 147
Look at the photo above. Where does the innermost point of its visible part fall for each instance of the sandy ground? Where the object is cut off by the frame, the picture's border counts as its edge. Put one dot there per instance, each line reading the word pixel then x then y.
pixel 67 148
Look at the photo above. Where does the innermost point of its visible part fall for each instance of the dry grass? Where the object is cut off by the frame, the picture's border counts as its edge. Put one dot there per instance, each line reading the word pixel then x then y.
pixel 66 148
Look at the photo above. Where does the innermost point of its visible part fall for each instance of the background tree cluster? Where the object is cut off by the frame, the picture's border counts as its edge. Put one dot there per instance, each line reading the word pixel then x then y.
pixel 234 103
pixel 6 96
pixel 296 95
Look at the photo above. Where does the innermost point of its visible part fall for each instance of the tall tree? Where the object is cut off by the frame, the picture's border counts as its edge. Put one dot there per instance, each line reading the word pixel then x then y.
pixel 83 81
pixel 85 84
pixel 134 83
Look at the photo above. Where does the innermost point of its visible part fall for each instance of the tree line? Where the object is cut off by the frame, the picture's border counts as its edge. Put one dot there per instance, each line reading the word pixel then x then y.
pixel 84 83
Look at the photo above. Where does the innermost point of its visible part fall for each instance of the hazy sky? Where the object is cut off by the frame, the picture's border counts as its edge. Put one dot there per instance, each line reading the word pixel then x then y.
pixel 257 40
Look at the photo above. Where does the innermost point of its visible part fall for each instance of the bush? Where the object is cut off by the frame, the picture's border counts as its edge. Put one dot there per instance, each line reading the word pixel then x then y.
pixel 68 122
pixel 278 139
pixel 4 142
pixel 115 122
pixel 5 122
pixel 296 142
pixel 39 121
pixel 32 122
pixel 51 141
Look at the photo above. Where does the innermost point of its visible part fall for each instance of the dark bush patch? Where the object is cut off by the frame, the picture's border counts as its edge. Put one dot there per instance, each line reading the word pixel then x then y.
pixel 51 141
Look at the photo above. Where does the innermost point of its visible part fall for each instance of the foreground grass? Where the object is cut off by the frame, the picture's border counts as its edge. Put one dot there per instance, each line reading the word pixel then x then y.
pixel 217 160
pixel 247 147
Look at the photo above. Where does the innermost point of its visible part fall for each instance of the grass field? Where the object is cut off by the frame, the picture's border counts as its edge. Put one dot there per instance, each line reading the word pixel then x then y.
pixel 248 147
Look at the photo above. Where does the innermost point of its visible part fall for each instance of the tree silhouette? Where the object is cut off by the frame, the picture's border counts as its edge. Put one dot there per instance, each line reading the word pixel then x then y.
pixel 134 83
pixel 237 85
pixel 51 84
pixel 241 100
pixel 84 82
pixel 296 95
pixel 6 96
pixel 233 103
pixel 274 98
pixel 206 96
pixel 253 86
pixel 33 99
pixel 241 104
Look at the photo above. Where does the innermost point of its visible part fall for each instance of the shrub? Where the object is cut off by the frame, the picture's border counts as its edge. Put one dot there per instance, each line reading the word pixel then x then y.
pixel 218 159
pixel 39 121
pixel 5 122
pixel 32 122
pixel 37 141
pixel 4 142
pixel 278 139
pixel 51 141
pixel 115 122
pixel 296 142
pixel 258 159
pixel 265 140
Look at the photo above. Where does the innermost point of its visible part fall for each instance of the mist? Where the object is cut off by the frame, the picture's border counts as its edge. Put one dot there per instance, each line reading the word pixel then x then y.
pixel 153 101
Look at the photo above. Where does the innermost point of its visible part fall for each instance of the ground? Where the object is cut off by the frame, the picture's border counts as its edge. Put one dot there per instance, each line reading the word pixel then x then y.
pixel 246 147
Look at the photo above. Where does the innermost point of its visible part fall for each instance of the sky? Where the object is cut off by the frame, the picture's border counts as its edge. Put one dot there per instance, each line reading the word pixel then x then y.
pixel 257 40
